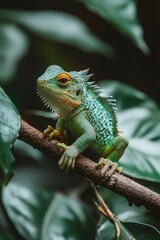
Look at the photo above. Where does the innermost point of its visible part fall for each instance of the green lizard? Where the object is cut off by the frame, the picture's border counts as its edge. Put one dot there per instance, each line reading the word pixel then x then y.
pixel 87 115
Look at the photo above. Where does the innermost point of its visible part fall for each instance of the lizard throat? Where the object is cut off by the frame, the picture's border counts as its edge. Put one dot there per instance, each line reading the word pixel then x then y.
pixel 57 101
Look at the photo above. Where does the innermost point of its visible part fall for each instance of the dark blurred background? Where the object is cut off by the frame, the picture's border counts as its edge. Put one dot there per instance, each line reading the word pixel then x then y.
pixel 130 65
pixel 26 52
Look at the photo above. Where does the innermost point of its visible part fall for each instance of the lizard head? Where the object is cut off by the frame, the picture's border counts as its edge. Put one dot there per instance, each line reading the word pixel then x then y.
pixel 61 90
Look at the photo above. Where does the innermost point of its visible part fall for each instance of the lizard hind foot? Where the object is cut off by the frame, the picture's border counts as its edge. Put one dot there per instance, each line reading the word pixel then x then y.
pixel 108 167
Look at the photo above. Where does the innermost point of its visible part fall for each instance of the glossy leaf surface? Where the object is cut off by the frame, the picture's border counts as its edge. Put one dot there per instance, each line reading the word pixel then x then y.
pixel 61 27
pixel 106 231
pixel 9 128
pixel 134 221
pixel 139 119
pixel 13 46
pixel 42 215
pixel 9 119
pixel 122 14
pixel 129 231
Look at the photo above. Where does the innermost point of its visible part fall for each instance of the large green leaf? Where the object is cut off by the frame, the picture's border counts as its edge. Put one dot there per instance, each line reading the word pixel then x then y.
pixel 9 119
pixel 13 46
pixel 127 213
pixel 139 119
pixel 9 128
pixel 106 231
pixel 42 215
pixel 143 231
pixel 127 96
pixel 125 234
pixel 59 26
pixel 140 223
pixel 123 16
pixel 129 231
pixel 6 162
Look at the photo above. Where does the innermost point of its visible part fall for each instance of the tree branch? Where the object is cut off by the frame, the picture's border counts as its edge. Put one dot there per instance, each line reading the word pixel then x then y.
pixel 118 183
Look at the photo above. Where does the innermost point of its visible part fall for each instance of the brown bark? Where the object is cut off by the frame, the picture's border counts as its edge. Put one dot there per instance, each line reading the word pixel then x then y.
pixel 118 183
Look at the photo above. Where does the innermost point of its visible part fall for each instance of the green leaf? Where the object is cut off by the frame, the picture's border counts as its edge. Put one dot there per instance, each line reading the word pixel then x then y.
pixel 122 15
pixel 139 119
pixel 127 96
pixel 125 233
pixel 9 119
pixel 129 231
pixel 13 46
pixel 44 114
pixel 142 157
pixel 61 27
pixel 6 162
pixel 136 219
pixel 107 231
pixel 143 231
pixel 128 213
pixel 9 128
pixel 42 215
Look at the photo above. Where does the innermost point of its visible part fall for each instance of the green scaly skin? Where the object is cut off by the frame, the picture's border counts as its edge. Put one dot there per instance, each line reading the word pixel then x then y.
pixel 87 115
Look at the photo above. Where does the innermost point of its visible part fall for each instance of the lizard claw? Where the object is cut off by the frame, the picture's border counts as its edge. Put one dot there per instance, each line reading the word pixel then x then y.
pixel 108 167
pixel 62 145
pixel 48 130
pixel 54 133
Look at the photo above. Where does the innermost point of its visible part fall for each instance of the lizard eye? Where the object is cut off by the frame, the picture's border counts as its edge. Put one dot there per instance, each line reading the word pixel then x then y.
pixel 63 79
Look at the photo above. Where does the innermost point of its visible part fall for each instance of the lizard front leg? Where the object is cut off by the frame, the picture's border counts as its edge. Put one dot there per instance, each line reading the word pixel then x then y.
pixel 85 139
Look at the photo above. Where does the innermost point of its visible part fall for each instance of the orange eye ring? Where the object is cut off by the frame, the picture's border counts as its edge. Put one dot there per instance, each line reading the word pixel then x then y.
pixel 63 79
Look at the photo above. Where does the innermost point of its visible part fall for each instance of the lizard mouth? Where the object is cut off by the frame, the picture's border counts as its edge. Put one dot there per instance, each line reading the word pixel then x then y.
pixel 48 104
pixel 68 95
pixel 73 99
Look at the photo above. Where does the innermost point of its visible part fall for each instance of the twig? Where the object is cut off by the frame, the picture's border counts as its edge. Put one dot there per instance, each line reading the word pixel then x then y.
pixel 105 210
pixel 133 191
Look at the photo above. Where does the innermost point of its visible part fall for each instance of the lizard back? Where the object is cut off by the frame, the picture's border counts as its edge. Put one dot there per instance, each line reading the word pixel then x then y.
pixel 101 113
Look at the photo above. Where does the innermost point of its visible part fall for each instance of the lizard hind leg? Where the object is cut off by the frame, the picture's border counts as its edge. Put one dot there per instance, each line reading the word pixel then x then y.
pixel 108 162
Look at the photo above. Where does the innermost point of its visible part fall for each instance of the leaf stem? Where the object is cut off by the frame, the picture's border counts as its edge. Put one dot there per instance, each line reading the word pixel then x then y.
pixel 105 210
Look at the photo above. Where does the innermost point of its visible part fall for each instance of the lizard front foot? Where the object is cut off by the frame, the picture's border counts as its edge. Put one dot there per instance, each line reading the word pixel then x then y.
pixel 67 161
pixel 53 133
pixel 108 167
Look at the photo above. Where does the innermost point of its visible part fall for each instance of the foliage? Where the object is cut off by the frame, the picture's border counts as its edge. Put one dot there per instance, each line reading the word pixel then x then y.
pixel 134 221
pixel 33 213
pixel 9 128
pixel 43 215
pixel 142 130
pixel 122 15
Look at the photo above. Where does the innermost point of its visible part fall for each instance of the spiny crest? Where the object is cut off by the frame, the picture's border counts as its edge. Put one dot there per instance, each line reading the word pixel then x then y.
pixel 103 97
pixel 81 76
pixel 43 101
